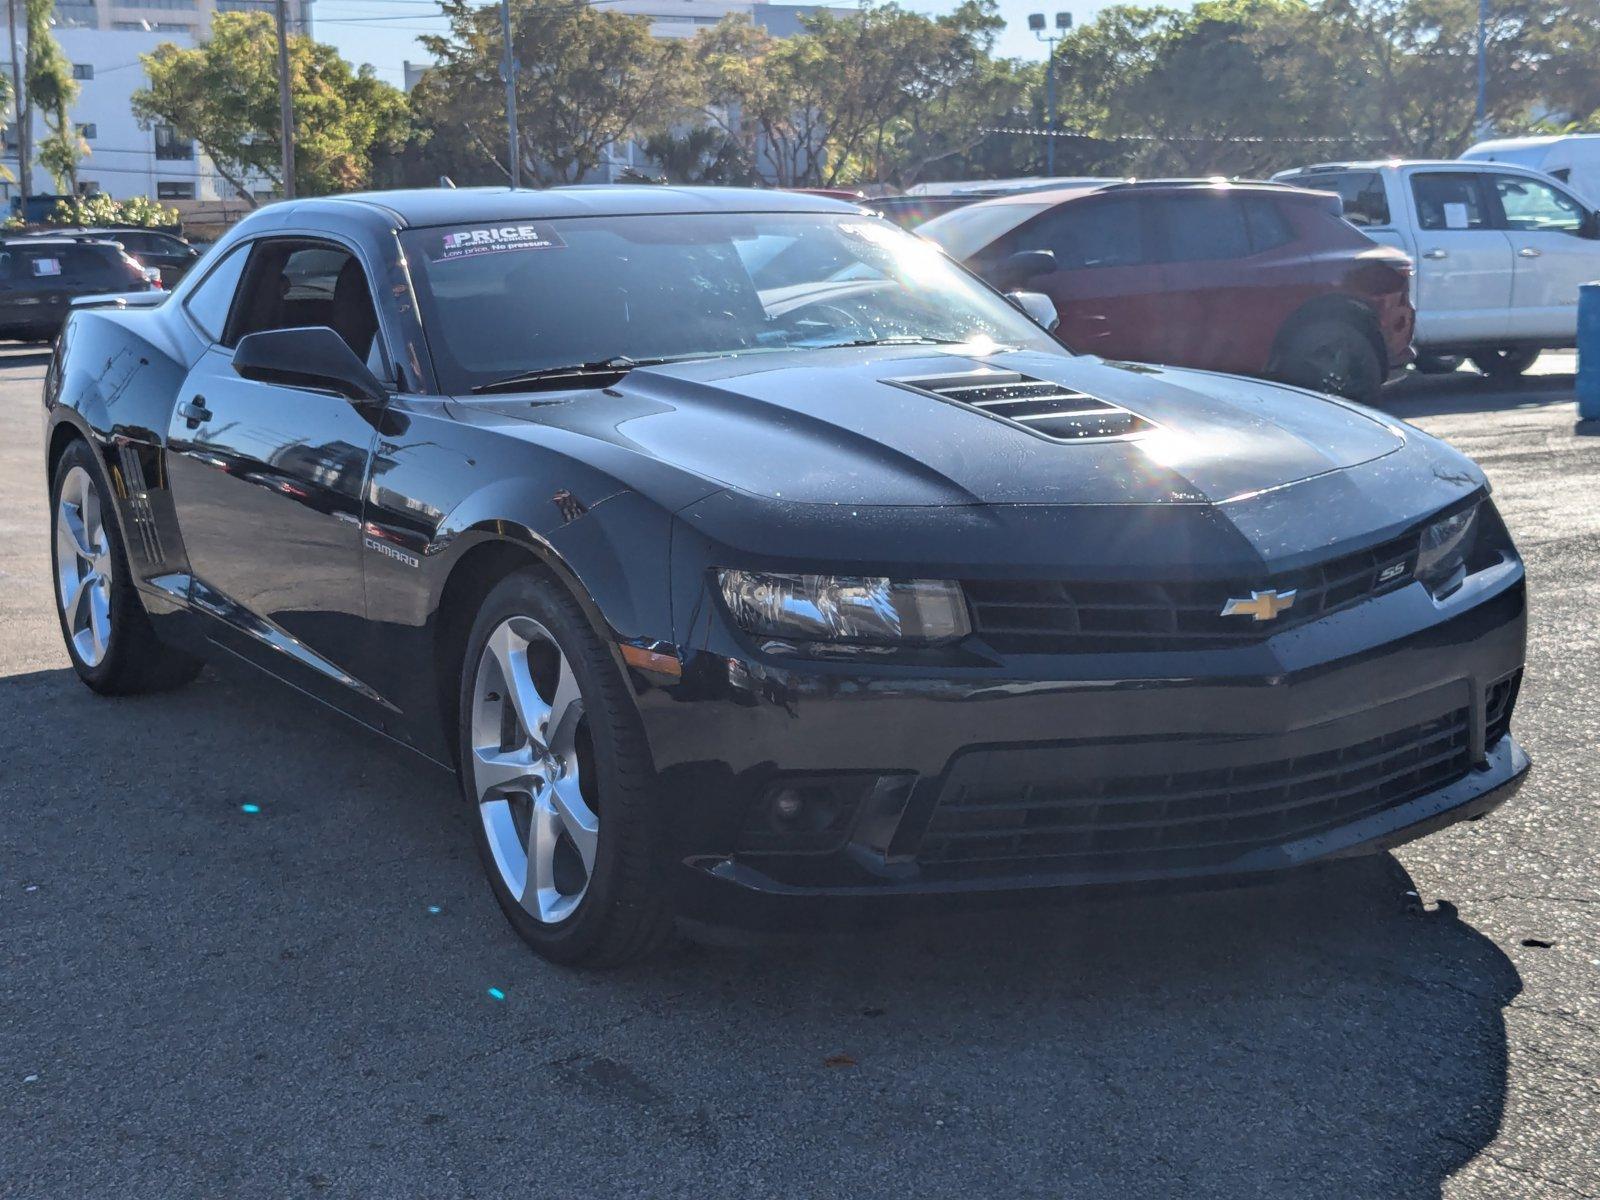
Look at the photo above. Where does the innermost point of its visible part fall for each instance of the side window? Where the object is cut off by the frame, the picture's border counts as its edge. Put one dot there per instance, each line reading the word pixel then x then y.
pixel 208 304
pixel 1366 202
pixel 292 282
pixel 1533 206
pixel 1265 223
pixel 1086 235
pixel 1450 200
pixel 1200 228
pixel 89 265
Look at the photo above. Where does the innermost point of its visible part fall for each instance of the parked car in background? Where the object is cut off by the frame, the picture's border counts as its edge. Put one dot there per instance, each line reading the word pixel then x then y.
pixel 924 201
pixel 1250 278
pixel 1500 252
pixel 168 253
pixel 41 276
pixel 1572 158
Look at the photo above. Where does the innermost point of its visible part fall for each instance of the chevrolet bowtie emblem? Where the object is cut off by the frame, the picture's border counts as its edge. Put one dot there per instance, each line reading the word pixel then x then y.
pixel 1263 606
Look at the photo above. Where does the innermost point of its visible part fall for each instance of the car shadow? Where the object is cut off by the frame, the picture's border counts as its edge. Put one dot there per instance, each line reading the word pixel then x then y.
pixel 16 356
pixel 284 972
pixel 1469 392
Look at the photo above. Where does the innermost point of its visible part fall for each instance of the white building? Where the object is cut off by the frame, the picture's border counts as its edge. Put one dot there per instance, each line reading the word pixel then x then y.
pixel 104 41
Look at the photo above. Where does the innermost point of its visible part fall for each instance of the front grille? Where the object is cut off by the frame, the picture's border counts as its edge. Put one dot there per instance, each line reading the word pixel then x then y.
pixel 1040 406
pixel 1057 616
pixel 1169 821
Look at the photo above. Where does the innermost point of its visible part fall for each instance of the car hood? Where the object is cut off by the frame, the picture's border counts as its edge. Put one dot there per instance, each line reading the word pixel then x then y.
pixel 841 427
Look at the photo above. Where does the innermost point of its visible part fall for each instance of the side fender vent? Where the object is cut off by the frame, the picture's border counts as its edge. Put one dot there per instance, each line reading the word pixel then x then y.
pixel 1045 409
pixel 136 494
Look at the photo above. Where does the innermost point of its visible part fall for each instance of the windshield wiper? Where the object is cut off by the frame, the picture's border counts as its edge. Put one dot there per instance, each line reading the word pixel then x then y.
pixel 619 364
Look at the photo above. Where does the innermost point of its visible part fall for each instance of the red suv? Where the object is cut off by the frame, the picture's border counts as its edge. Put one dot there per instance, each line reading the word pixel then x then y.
pixel 1250 278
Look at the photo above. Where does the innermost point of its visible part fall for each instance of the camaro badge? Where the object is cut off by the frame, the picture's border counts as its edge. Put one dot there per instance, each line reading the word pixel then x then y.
pixel 1263 606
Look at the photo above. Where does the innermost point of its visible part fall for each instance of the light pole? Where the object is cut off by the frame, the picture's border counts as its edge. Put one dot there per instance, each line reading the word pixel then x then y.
pixel 508 69
pixel 24 115
pixel 1063 23
pixel 285 102
pixel 1483 66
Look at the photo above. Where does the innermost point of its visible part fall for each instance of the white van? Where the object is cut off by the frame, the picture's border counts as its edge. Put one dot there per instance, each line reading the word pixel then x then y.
pixel 1500 252
pixel 1573 158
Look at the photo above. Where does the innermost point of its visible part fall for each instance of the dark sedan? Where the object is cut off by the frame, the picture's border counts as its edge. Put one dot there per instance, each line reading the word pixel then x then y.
pixel 40 277
pixel 740 552
pixel 167 253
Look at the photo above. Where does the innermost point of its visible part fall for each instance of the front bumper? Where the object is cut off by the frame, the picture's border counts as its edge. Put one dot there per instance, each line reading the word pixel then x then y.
pixel 1351 734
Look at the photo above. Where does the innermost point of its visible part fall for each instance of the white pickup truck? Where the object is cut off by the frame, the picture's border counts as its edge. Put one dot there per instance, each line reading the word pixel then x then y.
pixel 1500 252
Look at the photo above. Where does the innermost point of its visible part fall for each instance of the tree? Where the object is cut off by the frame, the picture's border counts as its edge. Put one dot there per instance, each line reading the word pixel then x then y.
pixel 877 94
pixel 223 94
pixel 50 85
pixel 587 79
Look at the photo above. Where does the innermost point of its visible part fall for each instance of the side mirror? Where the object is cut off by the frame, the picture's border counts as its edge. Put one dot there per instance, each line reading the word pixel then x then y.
pixel 311 356
pixel 1020 267
pixel 1040 309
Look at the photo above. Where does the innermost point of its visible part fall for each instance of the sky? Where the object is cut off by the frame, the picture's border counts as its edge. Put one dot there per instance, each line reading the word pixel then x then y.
pixel 384 32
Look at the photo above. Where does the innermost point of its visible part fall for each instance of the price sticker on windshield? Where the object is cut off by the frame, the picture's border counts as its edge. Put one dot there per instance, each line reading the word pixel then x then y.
pixel 494 239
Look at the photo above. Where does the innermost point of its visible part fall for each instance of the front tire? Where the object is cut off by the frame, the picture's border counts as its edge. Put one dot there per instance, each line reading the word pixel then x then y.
pixel 113 647
pixel 1332 356
pixel 555 767
pixel 1505 364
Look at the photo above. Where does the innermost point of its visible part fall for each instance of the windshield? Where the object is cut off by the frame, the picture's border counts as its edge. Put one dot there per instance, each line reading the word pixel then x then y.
pixel 966 231
pixel 511 297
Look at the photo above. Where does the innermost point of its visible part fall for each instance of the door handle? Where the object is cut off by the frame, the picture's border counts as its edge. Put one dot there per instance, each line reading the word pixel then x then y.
pixel 1529 252
pixel 1435 253
pixel 194 411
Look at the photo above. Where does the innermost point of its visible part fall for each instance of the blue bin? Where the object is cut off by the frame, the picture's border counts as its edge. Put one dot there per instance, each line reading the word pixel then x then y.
pixel 1589 352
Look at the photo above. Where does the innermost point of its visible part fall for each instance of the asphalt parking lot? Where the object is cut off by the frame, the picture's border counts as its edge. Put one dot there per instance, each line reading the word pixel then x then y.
pixel 199 1001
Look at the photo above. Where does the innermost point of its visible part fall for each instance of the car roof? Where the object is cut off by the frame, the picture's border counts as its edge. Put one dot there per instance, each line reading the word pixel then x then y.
pixel 1060 195
pixel 1460 164
pixel 52 239
pixel 1539 141
pixel 453 206
pixel 112 232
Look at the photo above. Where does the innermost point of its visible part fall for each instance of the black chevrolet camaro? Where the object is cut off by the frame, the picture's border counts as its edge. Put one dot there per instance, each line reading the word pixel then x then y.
pixel 736 546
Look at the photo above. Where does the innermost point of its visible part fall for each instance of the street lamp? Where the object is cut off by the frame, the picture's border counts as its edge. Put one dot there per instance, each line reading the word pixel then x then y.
pixel 1483 67
pixel 1063 23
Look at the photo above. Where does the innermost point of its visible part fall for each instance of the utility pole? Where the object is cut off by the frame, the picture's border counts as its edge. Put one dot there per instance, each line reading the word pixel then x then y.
pixel 1483 66
pixel 1063 23
pixel 19 98
pixel 508 72
pixel 285 101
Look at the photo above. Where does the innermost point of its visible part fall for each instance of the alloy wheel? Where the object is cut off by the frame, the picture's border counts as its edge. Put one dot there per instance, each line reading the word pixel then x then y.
pixel 83 567
pixel 532 770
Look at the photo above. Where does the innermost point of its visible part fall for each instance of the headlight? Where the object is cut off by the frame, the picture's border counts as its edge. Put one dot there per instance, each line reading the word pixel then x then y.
pixel 843 608
pixel 1446 546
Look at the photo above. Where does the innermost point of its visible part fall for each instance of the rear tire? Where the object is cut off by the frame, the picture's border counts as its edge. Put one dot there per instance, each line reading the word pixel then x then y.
pixel 1505 364
pixel 555 767
pixel 1333 356
pixel 1438 364
pixel 113 647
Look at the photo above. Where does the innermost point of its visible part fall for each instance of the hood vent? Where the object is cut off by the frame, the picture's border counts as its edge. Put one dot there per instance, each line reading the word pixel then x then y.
pixel 1043 408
